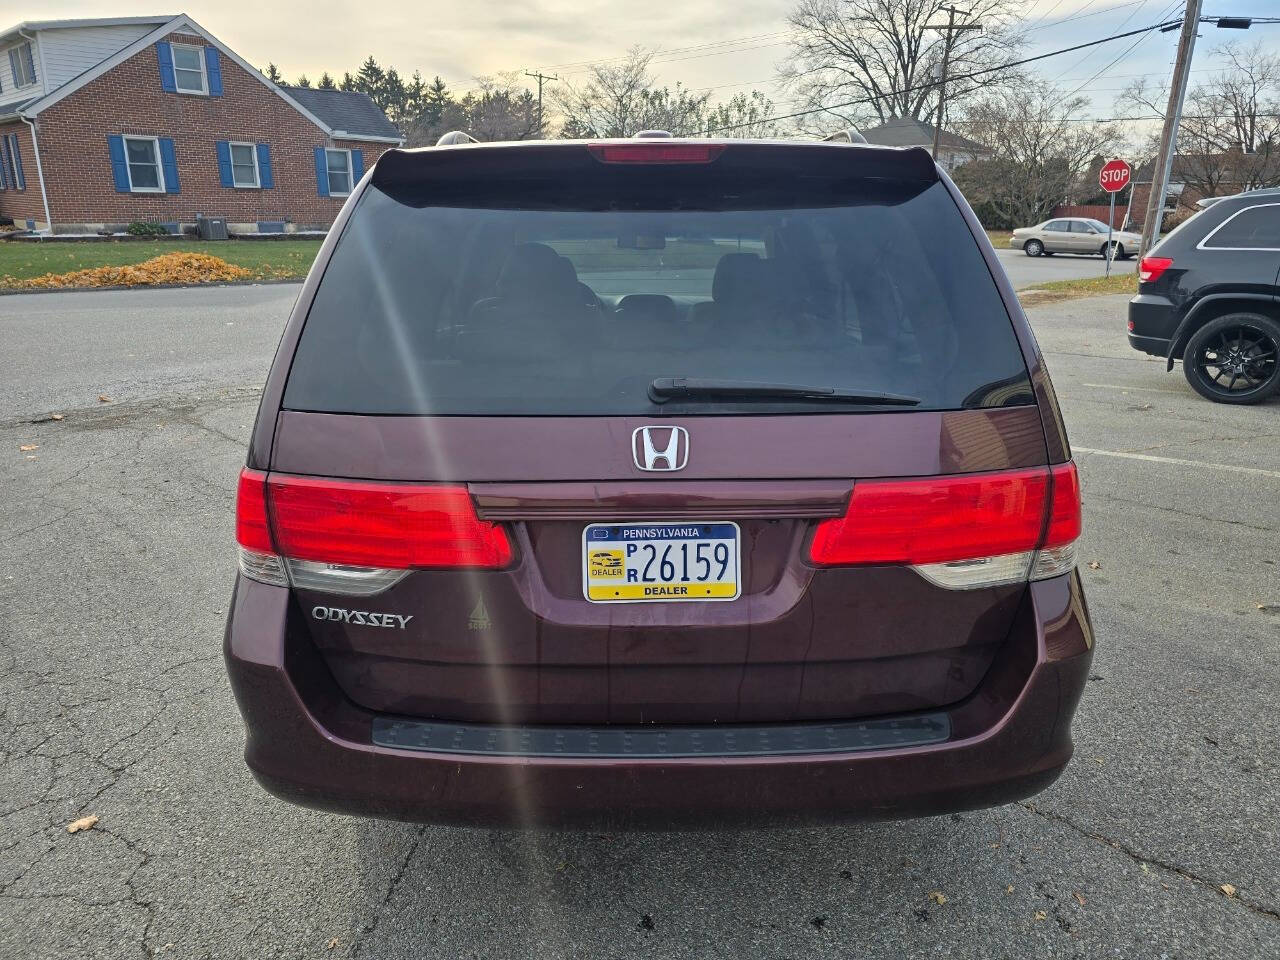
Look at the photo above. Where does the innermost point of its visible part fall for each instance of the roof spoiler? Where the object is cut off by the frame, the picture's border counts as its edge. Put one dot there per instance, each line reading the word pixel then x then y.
pixel 848 135
pixel 455 137
pixel 570 159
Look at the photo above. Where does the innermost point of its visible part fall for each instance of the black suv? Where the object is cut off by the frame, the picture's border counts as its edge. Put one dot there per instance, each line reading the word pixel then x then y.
pixel 1208 295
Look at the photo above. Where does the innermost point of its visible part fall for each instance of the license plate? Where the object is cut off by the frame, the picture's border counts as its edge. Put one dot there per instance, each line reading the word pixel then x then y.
pixel 633 562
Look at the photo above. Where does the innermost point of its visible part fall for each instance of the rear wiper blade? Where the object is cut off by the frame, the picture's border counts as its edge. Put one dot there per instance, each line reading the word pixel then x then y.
pixel 695 388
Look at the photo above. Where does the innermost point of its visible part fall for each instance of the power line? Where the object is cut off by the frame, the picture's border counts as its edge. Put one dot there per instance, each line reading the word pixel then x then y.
pixel 1084 16
pixel 1128 50
pixel 965 76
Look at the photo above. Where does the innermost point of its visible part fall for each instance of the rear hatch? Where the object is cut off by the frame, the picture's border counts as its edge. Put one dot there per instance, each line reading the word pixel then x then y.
pixel 657 432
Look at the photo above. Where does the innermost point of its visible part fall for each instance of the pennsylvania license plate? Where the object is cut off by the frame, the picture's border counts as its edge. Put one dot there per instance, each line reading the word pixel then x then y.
pixel 629 562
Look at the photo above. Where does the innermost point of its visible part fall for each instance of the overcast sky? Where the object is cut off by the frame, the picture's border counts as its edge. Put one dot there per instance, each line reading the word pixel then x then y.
pixel 740 42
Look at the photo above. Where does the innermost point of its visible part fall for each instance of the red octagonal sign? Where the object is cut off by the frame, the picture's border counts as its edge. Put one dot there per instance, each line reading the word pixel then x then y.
pixel 1114 176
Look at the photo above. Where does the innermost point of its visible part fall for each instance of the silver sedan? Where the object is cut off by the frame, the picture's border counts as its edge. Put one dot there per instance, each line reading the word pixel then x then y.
pixel 1080 235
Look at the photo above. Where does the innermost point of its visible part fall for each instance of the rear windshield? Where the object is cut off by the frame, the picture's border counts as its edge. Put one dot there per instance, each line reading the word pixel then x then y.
pixel 573 298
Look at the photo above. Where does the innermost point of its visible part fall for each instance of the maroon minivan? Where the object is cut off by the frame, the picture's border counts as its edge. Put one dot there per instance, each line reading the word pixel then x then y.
pixel 657 482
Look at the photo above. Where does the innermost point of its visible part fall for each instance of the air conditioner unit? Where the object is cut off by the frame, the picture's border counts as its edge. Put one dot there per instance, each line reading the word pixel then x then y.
pixel 211 228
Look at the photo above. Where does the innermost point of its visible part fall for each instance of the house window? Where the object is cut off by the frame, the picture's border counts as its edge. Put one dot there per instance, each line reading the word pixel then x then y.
pixel 244 165
pixel 23 65
pixel 189 69
pixel 142 156
pixel 338 164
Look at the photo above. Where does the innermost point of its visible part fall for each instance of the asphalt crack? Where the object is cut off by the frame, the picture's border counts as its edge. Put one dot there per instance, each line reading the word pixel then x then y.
pixel 394 885
pixel 1139 857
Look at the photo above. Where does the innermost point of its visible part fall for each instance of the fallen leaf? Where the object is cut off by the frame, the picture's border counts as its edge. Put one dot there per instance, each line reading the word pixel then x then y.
pixel 1041 915
pixel 995 846
pixel 1009 888
pixel 1079 897
pixel 28 447
pixel 1094 565
pixel 938 897
pixel 333 942
pixel 1228 889
pixel 1144 868
pixel 57 416
pixel 84 823
pixel 103 398
pixel 1099 761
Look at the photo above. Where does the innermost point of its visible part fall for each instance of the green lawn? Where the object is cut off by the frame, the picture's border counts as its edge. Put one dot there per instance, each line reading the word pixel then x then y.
pixel 268 259
pixel 1122 280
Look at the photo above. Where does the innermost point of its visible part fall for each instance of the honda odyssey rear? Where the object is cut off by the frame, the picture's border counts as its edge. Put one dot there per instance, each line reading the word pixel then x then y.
pixel 657 482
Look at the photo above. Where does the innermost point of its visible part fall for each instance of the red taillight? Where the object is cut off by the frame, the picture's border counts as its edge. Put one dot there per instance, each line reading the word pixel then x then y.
pixel 960 531
pixel 386 525
pixel 935 520
pixel 1150 269
pixel 252 531
pixel 655 151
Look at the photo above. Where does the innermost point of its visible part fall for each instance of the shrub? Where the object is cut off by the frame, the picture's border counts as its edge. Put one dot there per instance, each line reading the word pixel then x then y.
pixel 140 229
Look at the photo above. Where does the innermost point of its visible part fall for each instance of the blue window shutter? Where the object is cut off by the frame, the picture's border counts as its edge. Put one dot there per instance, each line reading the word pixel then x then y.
pixel 17 161
pixel 31 63
pixel 322 173
pixel 164 54
pixel 213 70
pixel 357 167
pixel 224 163
pixel 13 66
pixel 265 179
pixel 169 160
pixel 119 169
pixel 4 163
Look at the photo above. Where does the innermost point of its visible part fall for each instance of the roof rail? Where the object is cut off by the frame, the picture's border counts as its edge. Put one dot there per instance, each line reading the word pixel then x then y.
pixel 455 137
pixel 653 135
pixel 848 135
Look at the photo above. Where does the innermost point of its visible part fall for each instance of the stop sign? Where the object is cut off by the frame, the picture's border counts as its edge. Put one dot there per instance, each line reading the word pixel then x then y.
pixel 1114 176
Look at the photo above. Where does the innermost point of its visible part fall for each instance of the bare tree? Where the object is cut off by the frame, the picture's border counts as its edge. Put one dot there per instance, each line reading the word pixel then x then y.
pixel 880 51
pixel 748 115
pixel 621 99
pixel 1038 152
pixel 1229 136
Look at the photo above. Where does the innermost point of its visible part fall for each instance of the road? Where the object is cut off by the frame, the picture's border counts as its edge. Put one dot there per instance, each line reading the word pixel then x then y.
pixel 1027 271
pixel 115 569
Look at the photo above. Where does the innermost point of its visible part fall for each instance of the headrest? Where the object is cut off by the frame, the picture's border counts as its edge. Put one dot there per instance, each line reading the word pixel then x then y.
pixel 739 278
pixel 533 268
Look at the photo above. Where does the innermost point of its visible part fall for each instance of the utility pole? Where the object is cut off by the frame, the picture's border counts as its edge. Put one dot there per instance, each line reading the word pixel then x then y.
pixel 1163 166
pixel 541 78
pixel 951 28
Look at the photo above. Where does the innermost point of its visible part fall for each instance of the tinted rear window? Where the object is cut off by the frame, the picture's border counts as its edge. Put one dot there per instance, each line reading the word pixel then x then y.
pixel 570 298
pixel 1251 228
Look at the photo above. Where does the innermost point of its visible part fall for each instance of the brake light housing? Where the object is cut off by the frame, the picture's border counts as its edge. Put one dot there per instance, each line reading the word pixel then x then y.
pixel 655 151
pixel 358 537
pixel 1151 269
pixel 962 531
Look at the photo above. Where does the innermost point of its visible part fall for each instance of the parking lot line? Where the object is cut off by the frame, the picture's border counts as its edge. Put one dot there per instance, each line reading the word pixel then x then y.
pixel 1228 467
pixel 1126 388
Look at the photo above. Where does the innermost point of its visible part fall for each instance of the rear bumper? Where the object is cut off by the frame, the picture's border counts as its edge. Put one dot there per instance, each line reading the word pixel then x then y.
pixel 1151 324
pixel 308 744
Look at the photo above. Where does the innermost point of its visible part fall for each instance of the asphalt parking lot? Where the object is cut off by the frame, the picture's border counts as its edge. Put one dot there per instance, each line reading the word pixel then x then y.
pixel 115 570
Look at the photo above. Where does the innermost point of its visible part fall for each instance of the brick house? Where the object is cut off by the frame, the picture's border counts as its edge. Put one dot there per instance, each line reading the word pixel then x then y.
pixel 105 122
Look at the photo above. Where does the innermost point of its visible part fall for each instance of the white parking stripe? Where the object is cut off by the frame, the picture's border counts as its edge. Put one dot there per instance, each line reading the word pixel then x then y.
pixel 1228 467
pixel 1117 386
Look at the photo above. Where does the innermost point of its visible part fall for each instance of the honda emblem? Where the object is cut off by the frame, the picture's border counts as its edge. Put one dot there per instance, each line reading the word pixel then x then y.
pixel 660 448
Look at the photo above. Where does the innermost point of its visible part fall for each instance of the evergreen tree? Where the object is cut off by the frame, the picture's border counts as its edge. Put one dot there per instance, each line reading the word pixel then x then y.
pixel 326 82
pixel 302 81
pixel 273 74
pixel 348 82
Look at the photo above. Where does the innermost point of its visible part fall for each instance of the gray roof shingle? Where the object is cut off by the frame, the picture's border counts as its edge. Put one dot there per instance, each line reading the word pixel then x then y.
pixel 905 132
pixel 345 110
